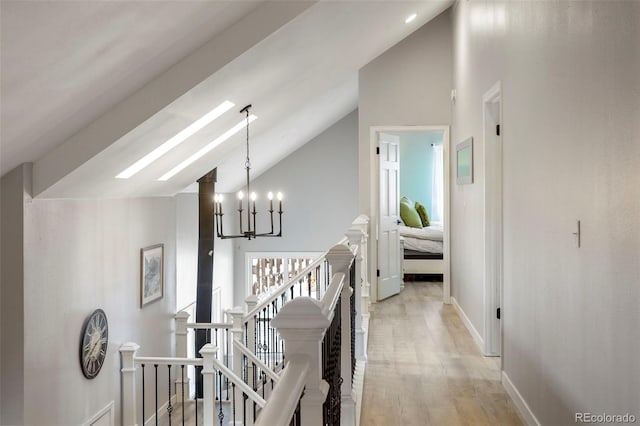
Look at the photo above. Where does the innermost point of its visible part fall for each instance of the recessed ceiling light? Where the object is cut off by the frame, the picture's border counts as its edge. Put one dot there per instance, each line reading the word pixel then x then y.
pixel 176 140
pixel 226 135
pixel 410 18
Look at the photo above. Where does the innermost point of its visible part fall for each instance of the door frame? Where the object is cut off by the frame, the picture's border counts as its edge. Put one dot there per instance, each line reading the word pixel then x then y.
pixel 375 199
pixel 493 221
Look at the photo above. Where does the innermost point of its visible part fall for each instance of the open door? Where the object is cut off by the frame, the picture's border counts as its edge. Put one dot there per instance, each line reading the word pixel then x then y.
pixel 389 261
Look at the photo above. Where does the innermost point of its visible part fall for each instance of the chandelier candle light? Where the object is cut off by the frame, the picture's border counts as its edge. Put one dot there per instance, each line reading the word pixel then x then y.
pixel 250 232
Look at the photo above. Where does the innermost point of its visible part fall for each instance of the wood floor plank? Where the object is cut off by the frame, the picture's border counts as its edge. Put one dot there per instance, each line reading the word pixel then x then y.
pixel 425 369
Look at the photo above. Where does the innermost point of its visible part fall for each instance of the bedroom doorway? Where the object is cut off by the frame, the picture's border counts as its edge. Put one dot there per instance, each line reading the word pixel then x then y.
pixel 427 248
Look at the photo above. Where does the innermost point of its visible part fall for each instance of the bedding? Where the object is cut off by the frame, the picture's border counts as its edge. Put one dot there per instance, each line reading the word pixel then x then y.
pixel 433 232
pixel 425 240
pixel 424 246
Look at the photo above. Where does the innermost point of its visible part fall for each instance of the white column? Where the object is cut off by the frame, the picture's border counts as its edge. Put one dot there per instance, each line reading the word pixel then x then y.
pixel 181 319
pixel 237 332
pixel 181 333
pixel 251 302
pixel 128 371
pixel 362 222
pixel 340 258
pixel 208 353
pixel 302 323
pixel 355 236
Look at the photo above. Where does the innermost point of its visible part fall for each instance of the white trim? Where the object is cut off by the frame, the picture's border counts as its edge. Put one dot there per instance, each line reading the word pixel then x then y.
pixel 358 387
pixel 467 323
pixel 375 201
pixel 108 410
pixel 523 408
pixel 492 226
pixel 423 266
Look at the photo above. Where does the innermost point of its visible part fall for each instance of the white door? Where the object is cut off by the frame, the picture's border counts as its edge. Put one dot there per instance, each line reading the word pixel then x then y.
pixel 389 238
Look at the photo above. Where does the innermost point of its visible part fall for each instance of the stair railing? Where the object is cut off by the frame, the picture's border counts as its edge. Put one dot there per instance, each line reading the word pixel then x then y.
pixel 242 407
pixel 316 352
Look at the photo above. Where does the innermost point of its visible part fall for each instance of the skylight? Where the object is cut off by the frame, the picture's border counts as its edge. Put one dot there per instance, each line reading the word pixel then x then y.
pixel 226 135
pixel 176 140
pixel 410 18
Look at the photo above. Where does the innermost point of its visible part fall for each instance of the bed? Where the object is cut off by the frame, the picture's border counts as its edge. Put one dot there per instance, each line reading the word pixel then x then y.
pixel 422 249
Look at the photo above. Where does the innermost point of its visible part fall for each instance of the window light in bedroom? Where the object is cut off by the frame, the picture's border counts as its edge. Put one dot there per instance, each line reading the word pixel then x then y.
pixel 249 232
pixel 410 18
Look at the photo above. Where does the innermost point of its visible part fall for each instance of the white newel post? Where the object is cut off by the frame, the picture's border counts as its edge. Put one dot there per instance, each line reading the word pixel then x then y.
pixel 355 236
pixel 340 258
pixel 251 302
pixel 236 315
pixel 302 323
pixel 128 371
pixel 181 319
pixel 362 222
pixel 209 353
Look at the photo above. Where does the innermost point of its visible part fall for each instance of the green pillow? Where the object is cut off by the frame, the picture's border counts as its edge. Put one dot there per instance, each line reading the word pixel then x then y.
pixel 408 213
pixel 422 211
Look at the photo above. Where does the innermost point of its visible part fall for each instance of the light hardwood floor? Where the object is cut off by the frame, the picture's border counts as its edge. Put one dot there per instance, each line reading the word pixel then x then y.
pixel 425 369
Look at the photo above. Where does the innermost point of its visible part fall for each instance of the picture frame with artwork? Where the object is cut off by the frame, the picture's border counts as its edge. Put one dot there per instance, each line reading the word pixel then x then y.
pixel 151 274
pixel 464 162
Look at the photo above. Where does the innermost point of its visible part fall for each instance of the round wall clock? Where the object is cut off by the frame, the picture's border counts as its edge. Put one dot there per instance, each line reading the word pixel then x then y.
pixel 93 343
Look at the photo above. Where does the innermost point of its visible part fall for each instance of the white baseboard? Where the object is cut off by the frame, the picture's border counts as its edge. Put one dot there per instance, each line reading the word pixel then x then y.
pixel 467 323
pixel 523 408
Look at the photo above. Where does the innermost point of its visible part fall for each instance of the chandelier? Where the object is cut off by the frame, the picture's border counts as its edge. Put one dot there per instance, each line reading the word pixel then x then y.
pixel 250 231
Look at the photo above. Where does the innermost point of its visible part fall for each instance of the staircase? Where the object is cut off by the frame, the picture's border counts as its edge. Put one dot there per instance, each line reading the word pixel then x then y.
pixel 293 357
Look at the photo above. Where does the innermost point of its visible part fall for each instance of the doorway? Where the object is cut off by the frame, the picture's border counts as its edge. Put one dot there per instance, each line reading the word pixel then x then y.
pixel 493 273
pixel 387 221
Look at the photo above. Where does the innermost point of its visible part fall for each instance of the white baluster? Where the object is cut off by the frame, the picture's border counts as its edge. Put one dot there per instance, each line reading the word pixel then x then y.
pixel 181 319
pixel 209 353
pixel 237 332
pixel 128 371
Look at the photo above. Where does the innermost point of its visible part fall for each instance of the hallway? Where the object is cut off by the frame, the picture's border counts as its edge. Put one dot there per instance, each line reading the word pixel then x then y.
pixel 425 369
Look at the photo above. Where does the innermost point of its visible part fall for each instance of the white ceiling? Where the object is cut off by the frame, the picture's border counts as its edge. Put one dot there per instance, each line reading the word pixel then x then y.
pixel 301 77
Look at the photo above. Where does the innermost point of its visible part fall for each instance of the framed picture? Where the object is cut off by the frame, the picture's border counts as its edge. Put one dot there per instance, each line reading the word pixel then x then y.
pixel 464 162
pixel 151 274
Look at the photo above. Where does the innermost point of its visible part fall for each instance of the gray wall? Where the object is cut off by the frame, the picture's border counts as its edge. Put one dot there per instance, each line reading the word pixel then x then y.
pixel 409 84
pixel 81 255
pixel 16 186
pixel 571 102
pixel 319 182
pixel 186 248
pixel 187 256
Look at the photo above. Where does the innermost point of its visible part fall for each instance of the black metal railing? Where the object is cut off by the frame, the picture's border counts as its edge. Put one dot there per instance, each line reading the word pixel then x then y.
pixel 268 344
pixel 331 352
pixel 260 380
pixel 352 303
pixel 219 335
pixel 179 408
pixel 181 400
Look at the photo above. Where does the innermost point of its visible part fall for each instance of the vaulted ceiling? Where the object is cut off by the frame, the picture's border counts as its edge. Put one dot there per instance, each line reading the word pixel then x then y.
pixel 89 88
